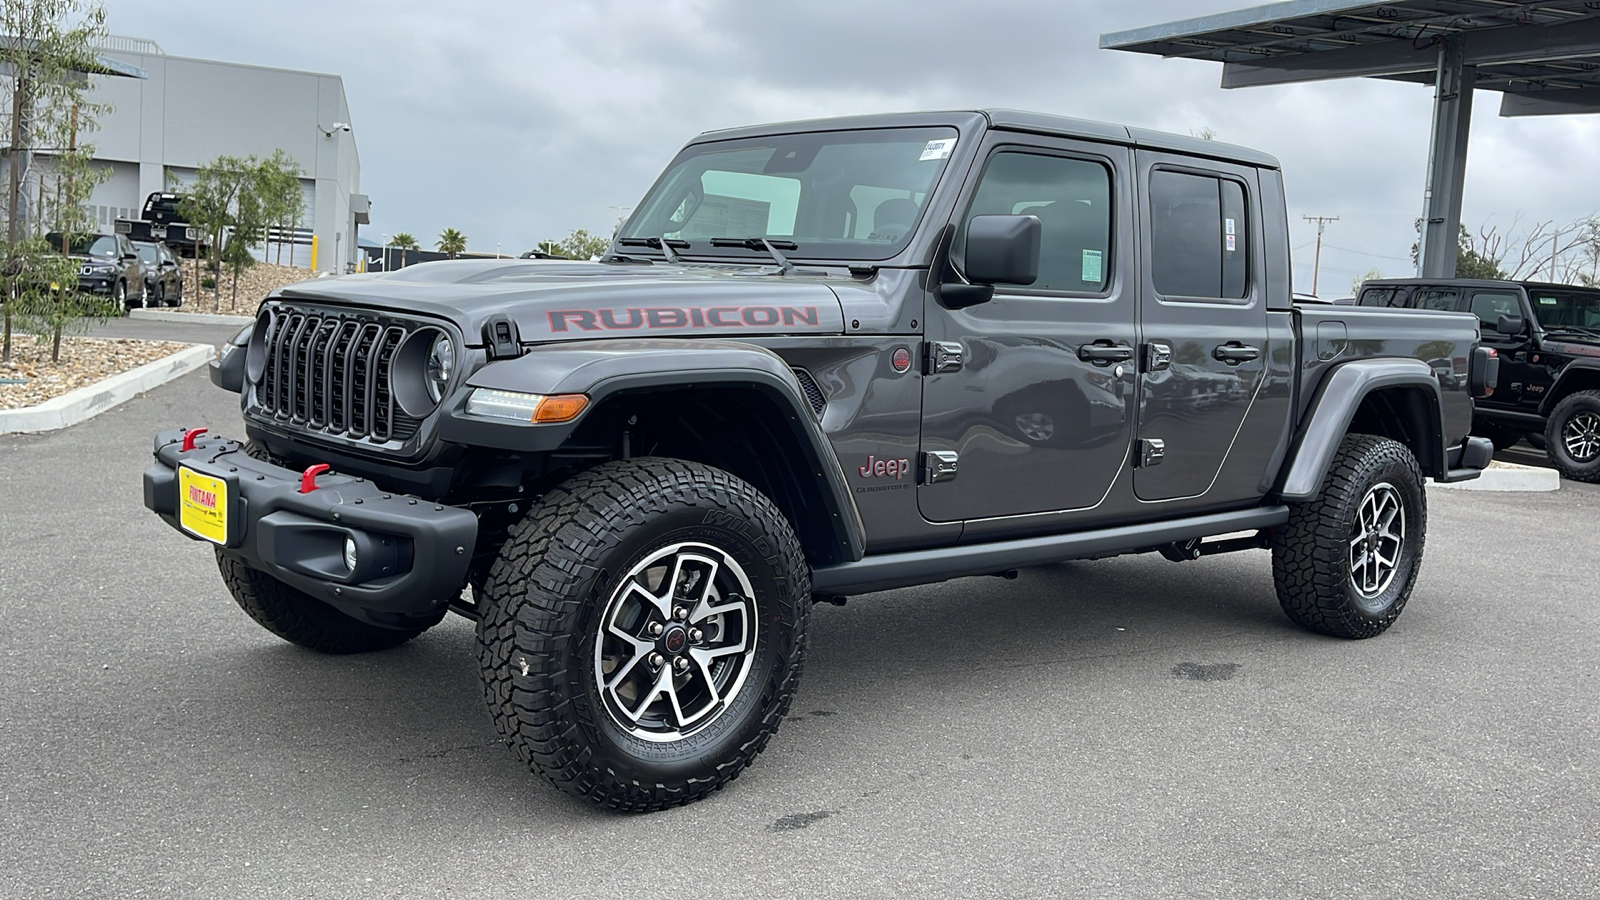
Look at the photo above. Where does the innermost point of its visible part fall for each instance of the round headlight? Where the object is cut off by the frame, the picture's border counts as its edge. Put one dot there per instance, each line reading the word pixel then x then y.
pixel 441 365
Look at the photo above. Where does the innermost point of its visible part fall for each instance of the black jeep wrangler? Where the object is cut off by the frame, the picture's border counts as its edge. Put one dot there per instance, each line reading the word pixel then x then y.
pixel 820 359
pixel 1548 339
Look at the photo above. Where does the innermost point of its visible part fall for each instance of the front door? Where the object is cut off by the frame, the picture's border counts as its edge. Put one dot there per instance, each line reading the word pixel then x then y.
pixel 1029 396
pixel 1203 315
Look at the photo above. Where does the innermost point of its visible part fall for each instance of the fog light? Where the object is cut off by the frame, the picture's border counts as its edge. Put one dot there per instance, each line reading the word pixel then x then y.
pixel 350 553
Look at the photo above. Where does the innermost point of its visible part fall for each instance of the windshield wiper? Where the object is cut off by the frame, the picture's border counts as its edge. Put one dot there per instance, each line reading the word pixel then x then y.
pixel 1573 329
pixel 665 245
pixel 761 243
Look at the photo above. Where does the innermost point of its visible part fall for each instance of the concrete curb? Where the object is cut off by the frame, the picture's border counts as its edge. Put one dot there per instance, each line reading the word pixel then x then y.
pixel 1504 476
pixel 87 402
pixel 167 315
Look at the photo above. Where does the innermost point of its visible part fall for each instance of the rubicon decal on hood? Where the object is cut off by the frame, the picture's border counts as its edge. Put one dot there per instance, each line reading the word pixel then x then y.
pixel 673 317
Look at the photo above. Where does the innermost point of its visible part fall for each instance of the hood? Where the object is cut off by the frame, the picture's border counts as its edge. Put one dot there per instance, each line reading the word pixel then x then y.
pixel 562 301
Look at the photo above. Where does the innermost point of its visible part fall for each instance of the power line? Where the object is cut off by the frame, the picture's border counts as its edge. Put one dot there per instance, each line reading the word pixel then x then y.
pixel 1366 253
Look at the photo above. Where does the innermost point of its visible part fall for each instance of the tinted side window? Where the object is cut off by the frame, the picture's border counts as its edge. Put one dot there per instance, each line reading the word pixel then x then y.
pixel 1489 306
pixel 1393 296
pixel 1199 241
pixel 1442 299
pixel 1071 198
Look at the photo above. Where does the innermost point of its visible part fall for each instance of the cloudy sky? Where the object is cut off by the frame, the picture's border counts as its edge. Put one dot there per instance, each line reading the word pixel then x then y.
pixel 520 121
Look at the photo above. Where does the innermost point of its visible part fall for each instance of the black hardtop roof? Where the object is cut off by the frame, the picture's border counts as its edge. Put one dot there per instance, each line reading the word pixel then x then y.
pixel 1477 282
pixel 1013 120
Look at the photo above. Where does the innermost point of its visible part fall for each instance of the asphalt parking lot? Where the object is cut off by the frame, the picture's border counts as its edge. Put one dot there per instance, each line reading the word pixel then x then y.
pixel 1127 727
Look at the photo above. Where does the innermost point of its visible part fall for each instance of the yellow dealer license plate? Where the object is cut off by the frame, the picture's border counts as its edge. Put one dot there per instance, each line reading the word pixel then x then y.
pixel 203 505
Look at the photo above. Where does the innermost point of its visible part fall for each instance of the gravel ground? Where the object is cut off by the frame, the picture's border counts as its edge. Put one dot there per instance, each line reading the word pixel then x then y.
pixel 84 361
pixel 254 283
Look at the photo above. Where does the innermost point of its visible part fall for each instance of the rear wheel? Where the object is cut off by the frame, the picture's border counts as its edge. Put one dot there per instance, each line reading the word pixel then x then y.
pixel 1572 436
pixel 642 632
pixel 1345 563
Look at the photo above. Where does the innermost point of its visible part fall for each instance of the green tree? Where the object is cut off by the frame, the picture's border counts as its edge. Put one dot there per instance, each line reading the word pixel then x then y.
pixel 1355 286
pixel 580 244
pixel 46 48
pixel 452 242
pixel 283 202
pixel 225 202
pixel 404 241
pixel 1471 262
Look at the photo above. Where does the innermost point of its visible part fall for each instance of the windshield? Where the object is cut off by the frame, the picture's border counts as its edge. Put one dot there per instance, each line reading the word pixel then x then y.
pixel 1571 308
pixel 828 195
pixel 147 252
pixel 85 244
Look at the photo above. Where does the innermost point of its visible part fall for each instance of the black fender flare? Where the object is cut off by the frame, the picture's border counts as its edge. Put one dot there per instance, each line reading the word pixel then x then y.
pixel 1334 407
pixel 1554 395
pixel 603 369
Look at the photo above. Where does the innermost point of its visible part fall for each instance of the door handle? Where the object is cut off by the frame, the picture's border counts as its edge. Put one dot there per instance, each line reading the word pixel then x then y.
pixel 1104 353
pixel 1234 353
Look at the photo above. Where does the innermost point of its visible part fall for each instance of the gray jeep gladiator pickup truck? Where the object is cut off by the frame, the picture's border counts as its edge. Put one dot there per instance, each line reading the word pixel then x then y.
pixel 820 359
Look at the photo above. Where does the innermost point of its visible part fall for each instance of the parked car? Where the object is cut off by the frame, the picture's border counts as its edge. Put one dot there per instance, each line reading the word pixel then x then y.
pixel 1548 340
pixel 821 359
pixel 110 268
pixel 163 277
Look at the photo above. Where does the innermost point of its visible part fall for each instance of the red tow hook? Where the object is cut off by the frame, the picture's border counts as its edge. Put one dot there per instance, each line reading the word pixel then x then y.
pixel 189 436
pixel 308 478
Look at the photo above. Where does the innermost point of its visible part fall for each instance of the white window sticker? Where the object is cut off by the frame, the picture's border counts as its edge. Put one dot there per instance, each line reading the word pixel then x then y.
pixel 938 149
pixel 1230 241
pixel 1547 301
pixel 1229 226
pixel 1092 267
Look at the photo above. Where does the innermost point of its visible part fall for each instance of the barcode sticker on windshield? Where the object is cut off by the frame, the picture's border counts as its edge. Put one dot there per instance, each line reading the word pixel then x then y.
pixel 938 149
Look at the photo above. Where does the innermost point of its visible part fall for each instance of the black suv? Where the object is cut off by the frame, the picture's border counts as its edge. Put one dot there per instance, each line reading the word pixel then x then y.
pixel 110 267
pixel 163 282
pixel 1548 339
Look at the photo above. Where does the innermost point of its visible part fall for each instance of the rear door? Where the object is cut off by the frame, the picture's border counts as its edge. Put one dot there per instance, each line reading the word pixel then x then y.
pixel 1522 378
pixel 1029 395
pixel 1203 316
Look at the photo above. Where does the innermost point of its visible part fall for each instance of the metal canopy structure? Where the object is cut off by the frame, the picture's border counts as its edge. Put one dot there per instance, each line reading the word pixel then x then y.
pixel 1544 58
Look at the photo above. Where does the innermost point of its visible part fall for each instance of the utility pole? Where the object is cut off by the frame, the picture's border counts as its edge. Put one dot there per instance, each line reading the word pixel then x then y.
pixel 1316 263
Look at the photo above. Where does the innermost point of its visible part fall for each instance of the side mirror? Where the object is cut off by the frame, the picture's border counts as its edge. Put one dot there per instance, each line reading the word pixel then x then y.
pixel 1003 249
pixel 1000 250
pixel 1512 325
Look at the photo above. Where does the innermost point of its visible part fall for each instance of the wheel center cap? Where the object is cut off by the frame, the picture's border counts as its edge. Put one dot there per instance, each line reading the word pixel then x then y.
pixel 675 639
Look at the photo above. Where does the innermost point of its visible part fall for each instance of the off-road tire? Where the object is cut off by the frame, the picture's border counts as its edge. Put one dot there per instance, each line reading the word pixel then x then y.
pixel 1502 436
pixel 300 618
pixel 554 581
pixel 1311 555
pixel 1583 406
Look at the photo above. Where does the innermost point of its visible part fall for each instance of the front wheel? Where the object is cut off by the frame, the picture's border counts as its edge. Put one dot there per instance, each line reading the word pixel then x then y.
pixel 119 299
pixel 642 632
pixel 300 618
pixel 1345 563
pixel 1572 437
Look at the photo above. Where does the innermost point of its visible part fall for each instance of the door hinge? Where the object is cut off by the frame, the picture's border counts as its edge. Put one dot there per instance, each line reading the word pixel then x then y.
pixel 941 356
pixel 1151 452
pixel 939 465
pixel 1157 356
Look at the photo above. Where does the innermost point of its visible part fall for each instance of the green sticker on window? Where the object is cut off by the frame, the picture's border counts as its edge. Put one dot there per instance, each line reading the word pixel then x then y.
pixel 1091 267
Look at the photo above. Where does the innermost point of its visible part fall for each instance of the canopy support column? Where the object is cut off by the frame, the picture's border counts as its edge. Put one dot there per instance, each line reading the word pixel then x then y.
pixel 1447 161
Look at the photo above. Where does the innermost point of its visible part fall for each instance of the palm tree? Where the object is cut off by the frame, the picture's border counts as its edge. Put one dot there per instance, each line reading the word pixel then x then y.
pixel 405 242
pixel 452 242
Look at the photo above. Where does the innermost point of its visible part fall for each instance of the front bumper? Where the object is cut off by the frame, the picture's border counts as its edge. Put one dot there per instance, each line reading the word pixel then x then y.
pixel 412 554
pixel 96 284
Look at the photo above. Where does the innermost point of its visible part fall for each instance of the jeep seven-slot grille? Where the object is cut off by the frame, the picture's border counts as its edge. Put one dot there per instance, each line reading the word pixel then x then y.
pixel 329 373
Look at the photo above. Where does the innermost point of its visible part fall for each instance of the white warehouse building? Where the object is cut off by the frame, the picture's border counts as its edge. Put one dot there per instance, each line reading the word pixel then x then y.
pixel 186 112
